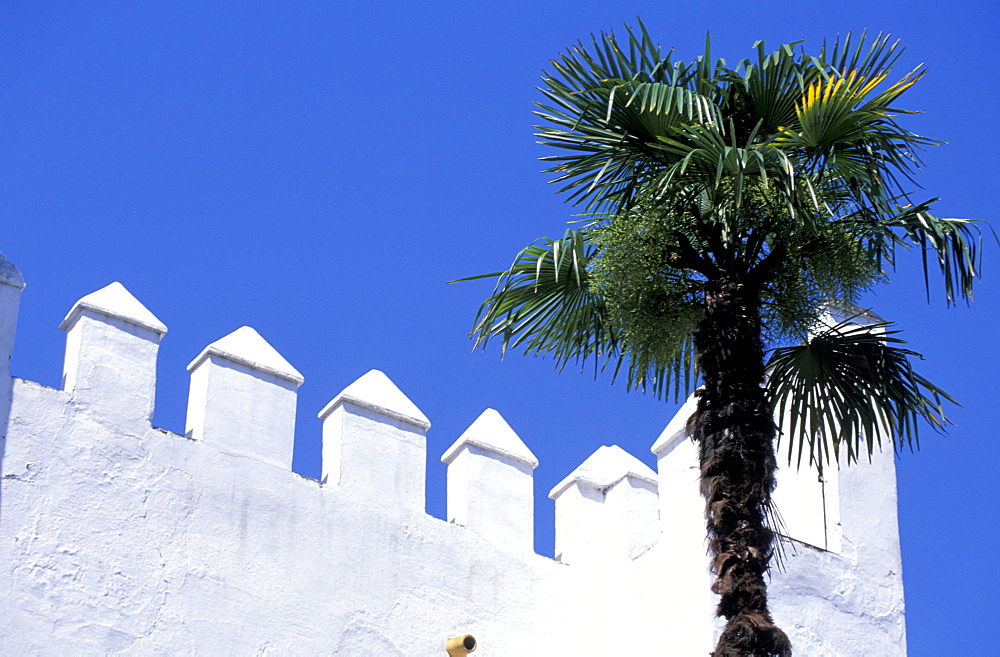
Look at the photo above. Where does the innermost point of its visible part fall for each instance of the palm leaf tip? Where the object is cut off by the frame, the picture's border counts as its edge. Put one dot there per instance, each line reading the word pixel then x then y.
pixel 956 244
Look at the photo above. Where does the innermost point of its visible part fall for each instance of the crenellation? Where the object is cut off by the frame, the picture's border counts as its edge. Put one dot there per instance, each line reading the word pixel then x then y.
pixel 490 483
pixel 128 538
pixel 375 442
pixel 606 509
pixel 242 398
pixel 112 342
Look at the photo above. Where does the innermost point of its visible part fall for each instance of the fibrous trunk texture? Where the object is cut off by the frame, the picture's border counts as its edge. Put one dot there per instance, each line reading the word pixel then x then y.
pixel 734 428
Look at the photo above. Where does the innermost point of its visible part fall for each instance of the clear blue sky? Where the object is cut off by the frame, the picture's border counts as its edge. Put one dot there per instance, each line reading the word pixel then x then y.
pixel 320 170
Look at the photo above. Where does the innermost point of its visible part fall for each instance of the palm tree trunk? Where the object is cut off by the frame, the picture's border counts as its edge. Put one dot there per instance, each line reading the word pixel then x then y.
pixel 734 428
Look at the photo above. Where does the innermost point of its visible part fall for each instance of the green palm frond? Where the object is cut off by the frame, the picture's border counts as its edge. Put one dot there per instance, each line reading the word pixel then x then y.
pixel 846 136
pixel 850 387
pixel 610 105
pixel 543 304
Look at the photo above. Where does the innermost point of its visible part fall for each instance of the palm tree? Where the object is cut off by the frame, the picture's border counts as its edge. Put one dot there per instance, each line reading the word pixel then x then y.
pixel 726 206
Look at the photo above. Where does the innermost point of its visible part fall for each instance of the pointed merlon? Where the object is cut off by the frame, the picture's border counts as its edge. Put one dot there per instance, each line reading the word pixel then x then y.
pixel 605 468
pixel 491 433
pixel 246 347
pixel 376 392
pixel 116 302
pixel 10 274
pixel 676 429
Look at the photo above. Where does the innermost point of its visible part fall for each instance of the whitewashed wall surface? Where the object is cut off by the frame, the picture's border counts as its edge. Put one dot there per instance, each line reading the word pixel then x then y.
pixel 117 537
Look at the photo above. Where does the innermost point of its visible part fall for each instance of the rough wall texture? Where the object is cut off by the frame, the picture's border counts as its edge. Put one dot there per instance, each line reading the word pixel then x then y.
pixel 120 538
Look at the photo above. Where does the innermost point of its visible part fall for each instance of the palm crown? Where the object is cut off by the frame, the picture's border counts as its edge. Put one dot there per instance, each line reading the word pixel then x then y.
pixel 785 173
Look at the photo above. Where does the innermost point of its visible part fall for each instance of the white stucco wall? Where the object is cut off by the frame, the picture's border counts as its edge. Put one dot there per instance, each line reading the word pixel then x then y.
pixel 120 538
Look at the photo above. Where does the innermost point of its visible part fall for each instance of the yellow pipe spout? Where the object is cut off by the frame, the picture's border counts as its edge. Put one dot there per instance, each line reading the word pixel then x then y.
pixel 460 645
